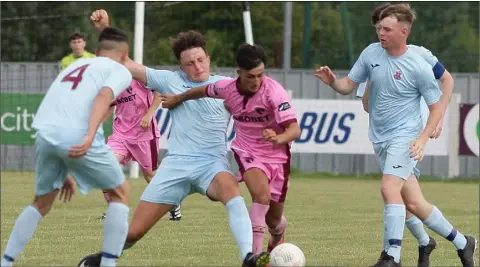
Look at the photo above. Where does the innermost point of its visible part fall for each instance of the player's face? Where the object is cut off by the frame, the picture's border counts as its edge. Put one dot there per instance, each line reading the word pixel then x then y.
pixel 196 64
pixel 251 80
pixel 78 46
pixel 390 32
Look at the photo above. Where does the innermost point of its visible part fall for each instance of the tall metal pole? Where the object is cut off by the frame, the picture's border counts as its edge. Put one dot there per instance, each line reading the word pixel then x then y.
pixel 137 57
pixel 287 36
pixel 307 21
pixel 247 23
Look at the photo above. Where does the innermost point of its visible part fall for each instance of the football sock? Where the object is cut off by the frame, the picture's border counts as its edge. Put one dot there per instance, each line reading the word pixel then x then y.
pixel 240 225
pixel 439 224
pixel 394 224
pixel 257 215
pixel 415 226
pixel 22 233
pixel 115 230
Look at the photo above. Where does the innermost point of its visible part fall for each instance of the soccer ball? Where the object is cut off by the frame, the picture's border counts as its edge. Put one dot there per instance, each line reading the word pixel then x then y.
pixel 287 254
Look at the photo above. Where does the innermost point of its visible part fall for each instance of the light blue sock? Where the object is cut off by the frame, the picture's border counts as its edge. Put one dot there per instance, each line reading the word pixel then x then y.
pixel 115 230
pixel 22 233
pixel 437 223
pixel 394 225
pixel 240 225
pixel 416 228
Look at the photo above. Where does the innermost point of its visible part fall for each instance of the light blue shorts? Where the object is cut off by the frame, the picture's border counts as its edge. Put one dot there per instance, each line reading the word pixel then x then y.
pixel 393 157
pixel 179 176
pixel 98 169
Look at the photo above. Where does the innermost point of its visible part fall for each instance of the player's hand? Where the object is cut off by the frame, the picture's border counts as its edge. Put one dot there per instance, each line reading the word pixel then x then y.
pixel 438 131
pixel 171 101
pixel 325 75
pixel 416 149
pixel 81 149
pixel 68 190
pixel 145 122
pixel 271 136
pixel 100 19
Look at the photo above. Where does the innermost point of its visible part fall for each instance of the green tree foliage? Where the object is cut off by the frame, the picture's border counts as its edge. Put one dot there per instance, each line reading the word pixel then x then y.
pixel 39 31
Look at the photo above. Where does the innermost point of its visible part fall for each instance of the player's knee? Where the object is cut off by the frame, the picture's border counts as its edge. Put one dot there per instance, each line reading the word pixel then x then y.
pixel 261 198
pixel 415 205
pixel 44 203
pixel 120 194
pixel 227 187
pixel 43 208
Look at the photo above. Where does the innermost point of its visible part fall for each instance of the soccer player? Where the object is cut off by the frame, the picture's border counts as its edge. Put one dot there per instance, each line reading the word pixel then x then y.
pixel 265 124
pixel 398 78
pixel 70 114
pixel 135 130
pixel 77 44
pixel 426 243
pixel 196 160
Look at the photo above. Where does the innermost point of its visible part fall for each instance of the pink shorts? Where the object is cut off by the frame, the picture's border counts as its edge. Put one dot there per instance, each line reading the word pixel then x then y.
pixel 278 173
pixel 143 152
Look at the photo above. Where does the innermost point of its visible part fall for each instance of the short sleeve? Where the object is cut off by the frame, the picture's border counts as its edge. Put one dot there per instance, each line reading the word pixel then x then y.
pixel 218 89
pixel 159 80
pixel 437 67
pixel 359 71
pixel 282 105
pixel 118 80
pixel 427 84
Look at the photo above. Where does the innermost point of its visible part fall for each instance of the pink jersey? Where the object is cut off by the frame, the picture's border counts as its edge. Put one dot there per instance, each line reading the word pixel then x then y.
pixel 131 105
pixel 269 108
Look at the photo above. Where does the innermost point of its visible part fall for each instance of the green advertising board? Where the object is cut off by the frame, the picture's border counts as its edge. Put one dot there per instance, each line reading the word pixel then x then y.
pixel 17 113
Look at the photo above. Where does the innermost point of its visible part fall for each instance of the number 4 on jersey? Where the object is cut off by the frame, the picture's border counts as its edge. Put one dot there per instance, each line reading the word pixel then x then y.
pixel 77 78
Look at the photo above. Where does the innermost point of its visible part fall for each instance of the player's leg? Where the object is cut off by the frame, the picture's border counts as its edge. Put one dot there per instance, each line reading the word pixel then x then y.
pixel 254 173
pixel 168 187
pixel 426 244
pixel 433 218
pixel 276 221
pixel 396 166
pixel 50 174
pixel 100 169
pixel 217 182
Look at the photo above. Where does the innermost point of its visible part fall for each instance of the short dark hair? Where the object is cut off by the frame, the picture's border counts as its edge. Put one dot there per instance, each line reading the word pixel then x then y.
pixel 187 40
pixel 113 34
pixel 250 56
pixel 77 35
pixel 376 13
pixel 403 13
pixel 110 37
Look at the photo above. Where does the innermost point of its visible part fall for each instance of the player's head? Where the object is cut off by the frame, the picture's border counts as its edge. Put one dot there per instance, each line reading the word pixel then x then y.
pixel 395 24
pixel 77 43
pixel 190 49
pixel 251 62
pixel 376 14
pixel 113 43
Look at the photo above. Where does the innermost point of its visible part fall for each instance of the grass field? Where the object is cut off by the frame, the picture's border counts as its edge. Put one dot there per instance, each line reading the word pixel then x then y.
pixel 337 222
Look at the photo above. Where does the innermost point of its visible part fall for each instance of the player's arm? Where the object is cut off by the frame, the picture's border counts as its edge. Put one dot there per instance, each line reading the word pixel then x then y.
pixel 447 83
pixel 430 91
pixel 365 97
pixel 285 116
pixel 109 113
pixel 147 118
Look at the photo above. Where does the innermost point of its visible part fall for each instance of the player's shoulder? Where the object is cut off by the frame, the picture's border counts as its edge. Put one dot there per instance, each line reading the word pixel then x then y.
pixel 418 49
pixel 373 47
pixel 221 81
pixel 272 86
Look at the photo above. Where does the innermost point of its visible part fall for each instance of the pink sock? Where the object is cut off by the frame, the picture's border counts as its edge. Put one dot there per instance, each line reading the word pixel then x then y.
pixel 277 232
pixel 107 196
pixel 257 215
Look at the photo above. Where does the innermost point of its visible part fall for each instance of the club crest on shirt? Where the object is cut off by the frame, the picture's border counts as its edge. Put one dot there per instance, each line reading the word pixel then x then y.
pixel 260 110
pixel 397 75
pixel 129 90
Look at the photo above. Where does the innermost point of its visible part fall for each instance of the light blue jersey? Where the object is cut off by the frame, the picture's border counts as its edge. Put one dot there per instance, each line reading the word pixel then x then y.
pixel 199 127
pixel 197 144
pixel 437 68
pixel 396 85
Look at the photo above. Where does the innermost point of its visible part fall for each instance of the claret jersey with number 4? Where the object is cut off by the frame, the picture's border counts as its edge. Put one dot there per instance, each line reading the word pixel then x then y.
pixel 69 100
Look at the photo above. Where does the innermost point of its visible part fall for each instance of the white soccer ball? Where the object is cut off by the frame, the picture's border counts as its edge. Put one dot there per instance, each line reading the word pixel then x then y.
pixel 287 255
